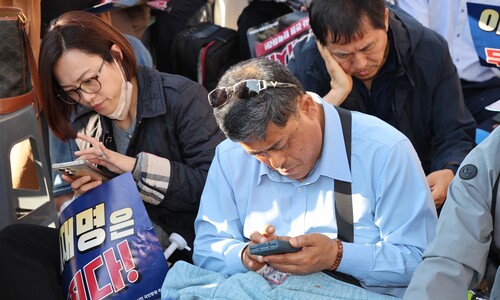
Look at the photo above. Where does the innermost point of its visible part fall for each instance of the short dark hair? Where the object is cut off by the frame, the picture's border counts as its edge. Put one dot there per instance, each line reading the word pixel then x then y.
pixel 81 31
pixel 343 18
pixel 245 120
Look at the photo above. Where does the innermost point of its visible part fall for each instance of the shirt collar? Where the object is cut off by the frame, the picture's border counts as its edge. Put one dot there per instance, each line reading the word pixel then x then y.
pixel 333 160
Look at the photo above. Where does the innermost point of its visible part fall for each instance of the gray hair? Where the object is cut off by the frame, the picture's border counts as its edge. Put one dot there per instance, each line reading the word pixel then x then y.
pixel 246 120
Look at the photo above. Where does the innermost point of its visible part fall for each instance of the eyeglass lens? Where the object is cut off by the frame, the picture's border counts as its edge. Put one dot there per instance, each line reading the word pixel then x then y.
pixel 89 86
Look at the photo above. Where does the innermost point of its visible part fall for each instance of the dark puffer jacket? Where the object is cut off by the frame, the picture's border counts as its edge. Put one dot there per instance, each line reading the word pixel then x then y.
pixel 174 140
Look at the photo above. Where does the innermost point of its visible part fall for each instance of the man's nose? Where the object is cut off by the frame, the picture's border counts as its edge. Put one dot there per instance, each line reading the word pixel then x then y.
pixel 276 159
pixel 359 61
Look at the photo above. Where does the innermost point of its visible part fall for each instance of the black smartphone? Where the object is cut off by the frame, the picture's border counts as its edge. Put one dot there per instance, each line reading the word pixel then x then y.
pixel 78 168
pixel 273 247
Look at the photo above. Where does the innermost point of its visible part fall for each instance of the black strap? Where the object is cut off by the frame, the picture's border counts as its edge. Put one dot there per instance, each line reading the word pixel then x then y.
pixel 343 200
pixel 343 277
pixel 343 191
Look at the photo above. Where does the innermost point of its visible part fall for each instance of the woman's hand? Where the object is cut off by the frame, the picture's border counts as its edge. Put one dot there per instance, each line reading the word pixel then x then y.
pixel 100 155
pixel 81 185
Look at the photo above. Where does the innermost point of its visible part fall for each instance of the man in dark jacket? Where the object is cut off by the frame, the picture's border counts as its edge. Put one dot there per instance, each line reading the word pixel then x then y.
pixel 381 61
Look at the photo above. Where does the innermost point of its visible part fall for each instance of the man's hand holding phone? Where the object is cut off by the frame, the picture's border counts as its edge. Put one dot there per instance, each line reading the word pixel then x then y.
pixel 273 247
pixel 249 260
pixel 317 252
pixel 263 244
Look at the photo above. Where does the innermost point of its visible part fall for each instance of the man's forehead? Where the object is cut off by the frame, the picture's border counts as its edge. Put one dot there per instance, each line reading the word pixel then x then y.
pixel 274 136
pixel 365 27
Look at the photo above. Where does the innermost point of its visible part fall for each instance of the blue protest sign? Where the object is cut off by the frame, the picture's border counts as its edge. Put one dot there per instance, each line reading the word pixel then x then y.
pixel 108 246
pixel 484 22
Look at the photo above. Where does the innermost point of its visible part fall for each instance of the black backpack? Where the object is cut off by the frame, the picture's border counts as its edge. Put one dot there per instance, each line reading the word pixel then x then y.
pixel 203 53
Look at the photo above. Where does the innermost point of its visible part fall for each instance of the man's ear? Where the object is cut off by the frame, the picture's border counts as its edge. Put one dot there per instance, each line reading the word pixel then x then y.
pixel 308 106
pixel 386 19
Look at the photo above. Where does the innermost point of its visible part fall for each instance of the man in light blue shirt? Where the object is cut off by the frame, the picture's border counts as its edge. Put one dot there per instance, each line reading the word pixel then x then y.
pixel 274 177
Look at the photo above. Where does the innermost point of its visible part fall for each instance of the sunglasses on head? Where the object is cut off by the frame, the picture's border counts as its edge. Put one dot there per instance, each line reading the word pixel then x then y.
pixel 243 90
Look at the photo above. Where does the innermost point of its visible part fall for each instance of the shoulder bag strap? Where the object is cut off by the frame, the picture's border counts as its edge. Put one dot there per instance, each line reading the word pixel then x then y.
pixel 32 64
pixel 343 191
pixel 10 104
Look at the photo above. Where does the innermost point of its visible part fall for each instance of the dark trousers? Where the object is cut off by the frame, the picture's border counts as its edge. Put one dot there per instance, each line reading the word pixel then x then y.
pixel 477 95
pixel 30 262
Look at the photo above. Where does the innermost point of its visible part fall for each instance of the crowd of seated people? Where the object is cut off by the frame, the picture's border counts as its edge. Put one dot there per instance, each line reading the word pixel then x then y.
pixel 259 158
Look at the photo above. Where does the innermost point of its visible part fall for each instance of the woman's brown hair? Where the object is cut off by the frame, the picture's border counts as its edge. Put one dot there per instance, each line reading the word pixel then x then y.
pixel 76 30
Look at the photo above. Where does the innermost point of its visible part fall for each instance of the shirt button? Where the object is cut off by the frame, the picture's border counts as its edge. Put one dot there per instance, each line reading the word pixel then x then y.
pixel 299 189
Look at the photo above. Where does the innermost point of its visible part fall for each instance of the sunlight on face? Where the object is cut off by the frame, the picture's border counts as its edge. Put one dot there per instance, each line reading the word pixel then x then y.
pixel 362 58
pixel 291 150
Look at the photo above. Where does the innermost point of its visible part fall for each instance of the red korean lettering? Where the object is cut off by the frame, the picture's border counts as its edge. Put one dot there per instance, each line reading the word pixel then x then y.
pixel 114 267
pixel 76 290
pixel 128 261
pixel 95 292
pixel 492 56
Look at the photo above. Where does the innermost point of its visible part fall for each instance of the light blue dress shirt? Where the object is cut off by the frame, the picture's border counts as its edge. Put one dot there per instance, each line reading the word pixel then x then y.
pixel 393 210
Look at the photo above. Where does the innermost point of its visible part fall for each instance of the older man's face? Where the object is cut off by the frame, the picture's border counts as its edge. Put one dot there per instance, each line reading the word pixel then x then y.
pixel 362 58
pixel 294 149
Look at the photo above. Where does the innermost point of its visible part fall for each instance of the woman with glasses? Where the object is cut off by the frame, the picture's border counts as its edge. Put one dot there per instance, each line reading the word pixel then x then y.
pixel 124 118
pixel 128 119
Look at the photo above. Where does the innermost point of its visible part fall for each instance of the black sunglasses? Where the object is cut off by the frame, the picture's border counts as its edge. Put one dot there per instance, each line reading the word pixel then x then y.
pixel 243 90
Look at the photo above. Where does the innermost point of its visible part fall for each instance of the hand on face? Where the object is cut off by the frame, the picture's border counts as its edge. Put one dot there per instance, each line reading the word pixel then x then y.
pixel 100 155
pixel 340 81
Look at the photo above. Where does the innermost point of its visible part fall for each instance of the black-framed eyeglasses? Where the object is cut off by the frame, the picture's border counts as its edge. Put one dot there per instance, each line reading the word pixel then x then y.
pixel 89 86
pixel 243 90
